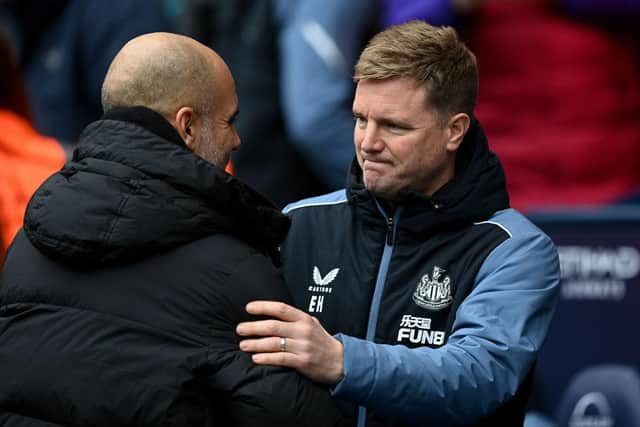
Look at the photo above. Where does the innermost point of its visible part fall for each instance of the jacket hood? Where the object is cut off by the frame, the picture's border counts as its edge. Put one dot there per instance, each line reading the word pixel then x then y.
pixel 134 188
pixel 477 190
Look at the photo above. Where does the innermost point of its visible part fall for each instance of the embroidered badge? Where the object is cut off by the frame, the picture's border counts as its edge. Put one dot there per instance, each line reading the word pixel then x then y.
pixel 434 293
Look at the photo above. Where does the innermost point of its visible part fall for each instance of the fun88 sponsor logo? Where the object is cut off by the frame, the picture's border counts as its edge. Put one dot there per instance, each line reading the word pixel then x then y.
pixel 417 330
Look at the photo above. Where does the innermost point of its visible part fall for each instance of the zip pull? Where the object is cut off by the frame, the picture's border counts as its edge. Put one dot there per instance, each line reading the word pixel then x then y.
pixel 390 230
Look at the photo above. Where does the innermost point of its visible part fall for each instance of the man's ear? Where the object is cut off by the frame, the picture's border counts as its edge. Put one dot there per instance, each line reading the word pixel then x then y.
pixel 457 128
pixel 184 121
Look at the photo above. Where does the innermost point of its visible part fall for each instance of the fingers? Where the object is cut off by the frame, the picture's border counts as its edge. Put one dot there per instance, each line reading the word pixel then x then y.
pixel 264 328
pixel 323 363
pixel 267 345
pixel 294 339
pixel 276 309
pixel 283 317
pixel 268 351
pixel 286 359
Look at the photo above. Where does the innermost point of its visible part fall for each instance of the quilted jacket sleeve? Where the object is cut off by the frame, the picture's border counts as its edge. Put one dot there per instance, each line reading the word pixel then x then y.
pixel 254 395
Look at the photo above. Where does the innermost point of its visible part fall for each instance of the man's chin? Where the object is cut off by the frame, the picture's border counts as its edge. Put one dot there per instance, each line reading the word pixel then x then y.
pixel 380 191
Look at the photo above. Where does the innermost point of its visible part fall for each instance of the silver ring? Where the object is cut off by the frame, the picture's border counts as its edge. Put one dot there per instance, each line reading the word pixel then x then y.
pixel 283 344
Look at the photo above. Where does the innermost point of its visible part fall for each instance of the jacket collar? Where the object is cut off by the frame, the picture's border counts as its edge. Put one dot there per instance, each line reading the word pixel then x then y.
pixel 147 119
pixel 133 187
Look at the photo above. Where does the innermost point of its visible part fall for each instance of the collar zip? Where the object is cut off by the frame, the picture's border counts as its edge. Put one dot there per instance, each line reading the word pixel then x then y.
pixel 389 230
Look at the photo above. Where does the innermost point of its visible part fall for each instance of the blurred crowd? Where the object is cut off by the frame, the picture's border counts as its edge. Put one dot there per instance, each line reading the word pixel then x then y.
pixel 560 87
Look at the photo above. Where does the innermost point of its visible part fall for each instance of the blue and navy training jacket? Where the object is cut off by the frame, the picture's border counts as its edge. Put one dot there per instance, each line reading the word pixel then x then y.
pixel 441 302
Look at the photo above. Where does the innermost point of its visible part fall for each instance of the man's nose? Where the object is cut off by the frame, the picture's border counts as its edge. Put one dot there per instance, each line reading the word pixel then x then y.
pixel 371 138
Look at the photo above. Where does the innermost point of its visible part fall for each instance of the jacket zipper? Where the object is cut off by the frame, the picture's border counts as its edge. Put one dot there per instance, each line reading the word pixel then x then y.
pixel 390 231
pixel 381 278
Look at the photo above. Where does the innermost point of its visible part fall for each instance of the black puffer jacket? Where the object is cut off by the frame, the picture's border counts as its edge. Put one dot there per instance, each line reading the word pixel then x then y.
pixel 120 298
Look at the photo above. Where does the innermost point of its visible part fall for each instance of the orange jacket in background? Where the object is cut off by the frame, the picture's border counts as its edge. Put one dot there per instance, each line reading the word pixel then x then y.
pixel 26 159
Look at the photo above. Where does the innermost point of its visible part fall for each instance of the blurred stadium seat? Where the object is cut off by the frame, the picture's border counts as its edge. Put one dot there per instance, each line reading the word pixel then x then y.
pixel 601 396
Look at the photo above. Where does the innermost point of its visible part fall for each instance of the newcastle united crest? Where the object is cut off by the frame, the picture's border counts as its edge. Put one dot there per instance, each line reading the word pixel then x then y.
pixel 434 293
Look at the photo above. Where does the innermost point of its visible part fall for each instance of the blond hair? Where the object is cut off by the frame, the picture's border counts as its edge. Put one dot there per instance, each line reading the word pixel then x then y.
pixel 434 57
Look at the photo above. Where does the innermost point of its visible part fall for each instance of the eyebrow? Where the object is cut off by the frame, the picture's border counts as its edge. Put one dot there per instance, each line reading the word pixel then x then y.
pixel 400 123
pixel 386 121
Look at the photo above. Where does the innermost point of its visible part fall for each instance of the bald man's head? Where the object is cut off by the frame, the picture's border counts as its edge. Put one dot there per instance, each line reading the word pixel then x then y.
pixel 163 72
pixel 186 82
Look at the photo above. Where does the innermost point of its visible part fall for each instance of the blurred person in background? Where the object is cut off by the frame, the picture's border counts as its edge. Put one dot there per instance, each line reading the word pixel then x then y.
pixel 120 295
pixel 293 61
pixel 65 48
pixel 560 95
pixel 26 157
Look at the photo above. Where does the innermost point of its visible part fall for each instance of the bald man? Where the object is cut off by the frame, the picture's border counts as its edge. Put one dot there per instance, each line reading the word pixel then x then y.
pixel 120 296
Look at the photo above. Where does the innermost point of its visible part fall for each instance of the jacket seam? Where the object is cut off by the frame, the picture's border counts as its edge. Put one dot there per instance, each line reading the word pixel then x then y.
pixel 116 218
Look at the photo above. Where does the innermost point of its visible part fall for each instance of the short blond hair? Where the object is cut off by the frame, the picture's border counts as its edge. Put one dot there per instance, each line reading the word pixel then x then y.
pixel 434 57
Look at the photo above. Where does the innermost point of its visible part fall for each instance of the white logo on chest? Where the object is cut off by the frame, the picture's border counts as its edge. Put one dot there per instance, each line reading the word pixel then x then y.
pixel 433 293
pixel 316 304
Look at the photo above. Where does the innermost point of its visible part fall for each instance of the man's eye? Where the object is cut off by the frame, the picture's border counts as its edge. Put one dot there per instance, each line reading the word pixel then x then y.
pixel 394 127
pixel 360 121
